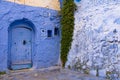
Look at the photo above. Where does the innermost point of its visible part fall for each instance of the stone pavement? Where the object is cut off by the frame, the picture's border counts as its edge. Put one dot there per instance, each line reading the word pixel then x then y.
pixel 55 74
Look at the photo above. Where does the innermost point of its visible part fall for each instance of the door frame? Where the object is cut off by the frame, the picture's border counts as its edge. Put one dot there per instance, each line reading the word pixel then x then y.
pixel 23 23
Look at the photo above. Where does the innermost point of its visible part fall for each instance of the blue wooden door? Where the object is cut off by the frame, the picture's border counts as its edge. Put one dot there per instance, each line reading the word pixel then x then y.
pixel 21 48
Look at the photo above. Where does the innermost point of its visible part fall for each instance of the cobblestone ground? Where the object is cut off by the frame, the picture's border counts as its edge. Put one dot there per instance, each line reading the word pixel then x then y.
pixel 56 74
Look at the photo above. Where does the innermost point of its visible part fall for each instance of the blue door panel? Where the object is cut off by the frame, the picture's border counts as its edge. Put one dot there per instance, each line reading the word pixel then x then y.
pixel 21 48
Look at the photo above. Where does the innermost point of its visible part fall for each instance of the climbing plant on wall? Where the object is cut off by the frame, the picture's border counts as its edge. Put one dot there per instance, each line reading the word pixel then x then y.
pixel 67 24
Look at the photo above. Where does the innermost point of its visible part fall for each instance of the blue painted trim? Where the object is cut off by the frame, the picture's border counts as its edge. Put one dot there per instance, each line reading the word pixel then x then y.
pixel 77 0
pixel 28 24
pixel 61 3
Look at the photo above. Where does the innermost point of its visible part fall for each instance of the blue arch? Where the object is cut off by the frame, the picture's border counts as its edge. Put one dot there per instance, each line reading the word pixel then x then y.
pixel 23 21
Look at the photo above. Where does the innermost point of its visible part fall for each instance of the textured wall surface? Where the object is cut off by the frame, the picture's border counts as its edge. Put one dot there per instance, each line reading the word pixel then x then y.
pixel 46 49
pixel 96 42
pixel 52 4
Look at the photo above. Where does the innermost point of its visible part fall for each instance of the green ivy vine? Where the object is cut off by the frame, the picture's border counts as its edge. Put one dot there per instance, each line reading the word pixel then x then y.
pixel 67 24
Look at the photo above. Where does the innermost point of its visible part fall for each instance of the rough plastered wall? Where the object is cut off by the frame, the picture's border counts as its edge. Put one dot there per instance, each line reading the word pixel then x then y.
pixel 52 4
pixel 46 50
pixel 96 40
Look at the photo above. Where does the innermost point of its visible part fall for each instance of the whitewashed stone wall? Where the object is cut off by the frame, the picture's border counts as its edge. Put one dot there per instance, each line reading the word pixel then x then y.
pixel 96 41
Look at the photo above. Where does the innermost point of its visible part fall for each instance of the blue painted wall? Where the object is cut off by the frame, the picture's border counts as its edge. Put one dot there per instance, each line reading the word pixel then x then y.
pixel 46 50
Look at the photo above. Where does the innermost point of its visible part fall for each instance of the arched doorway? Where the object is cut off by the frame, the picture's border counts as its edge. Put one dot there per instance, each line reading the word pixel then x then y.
pixel 21 38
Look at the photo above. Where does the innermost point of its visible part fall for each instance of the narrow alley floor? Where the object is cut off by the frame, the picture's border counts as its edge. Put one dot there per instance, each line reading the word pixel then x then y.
pixel 55 74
